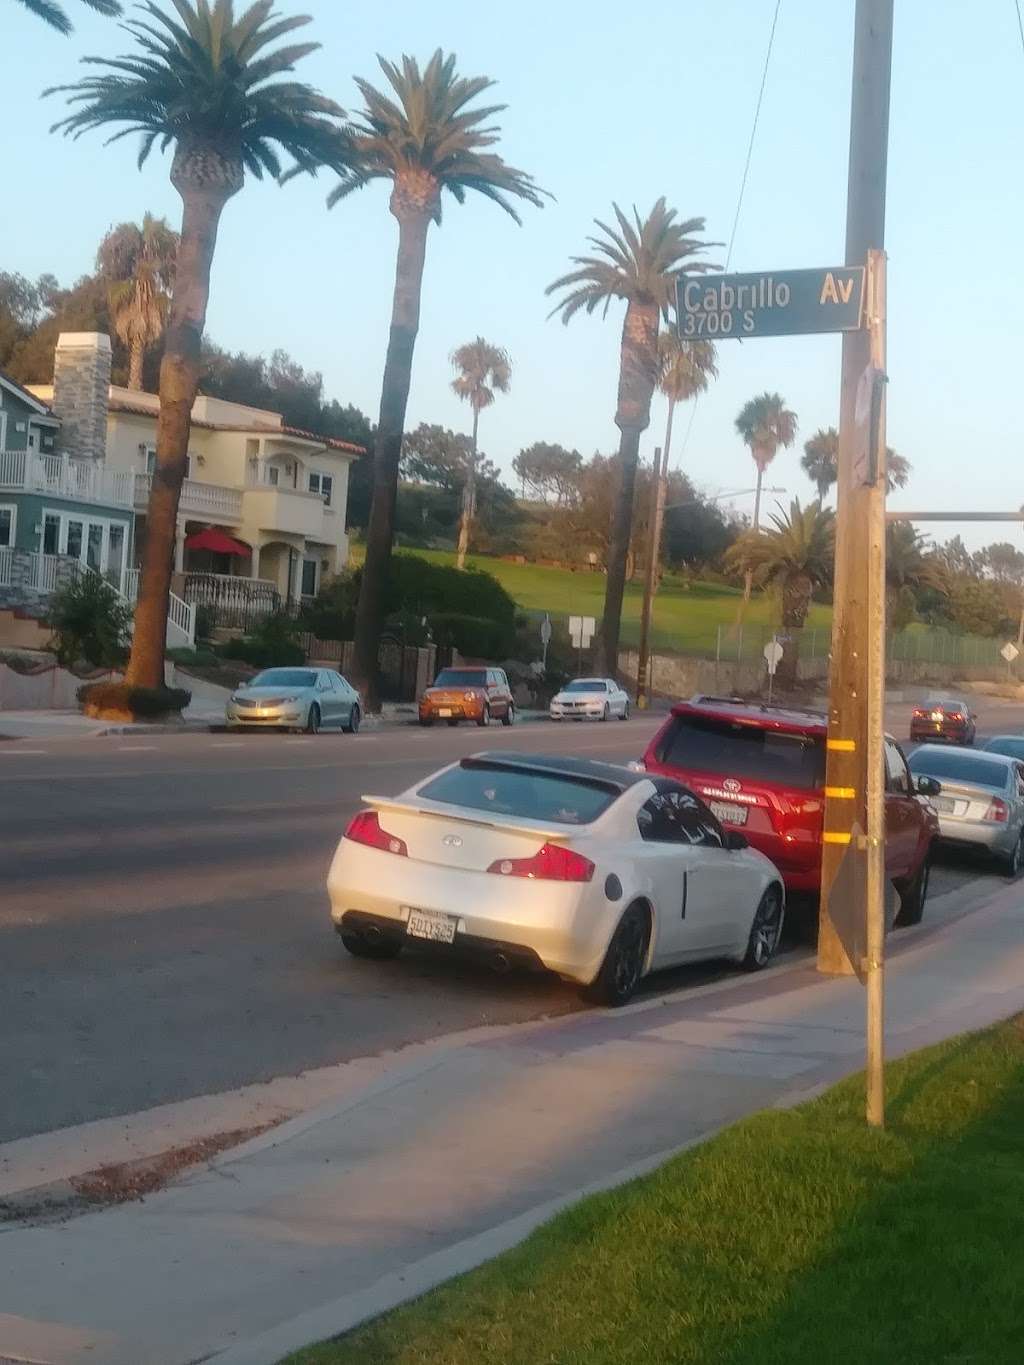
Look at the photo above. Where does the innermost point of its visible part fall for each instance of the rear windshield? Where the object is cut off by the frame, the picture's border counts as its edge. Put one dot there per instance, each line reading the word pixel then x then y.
pixel 959 767
pixel 586 685
pixel 283 677
pixel 734 750
pixel 537 796
pixel 1005 744
pixel 461 677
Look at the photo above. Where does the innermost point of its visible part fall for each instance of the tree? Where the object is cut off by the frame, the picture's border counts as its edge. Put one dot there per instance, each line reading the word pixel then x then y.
pixel 139 264
pixel 820 460
pixel 53 13
pixel 797 553
pixel 482 370
pixel 765 423
pixel 639 264
pixel 685 369
pixel 436 455
pixel 423 141
pixel 204 85
pixel 549 470
pixel 909 571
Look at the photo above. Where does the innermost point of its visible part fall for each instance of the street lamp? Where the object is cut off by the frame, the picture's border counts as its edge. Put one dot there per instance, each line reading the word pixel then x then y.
pixel 658 509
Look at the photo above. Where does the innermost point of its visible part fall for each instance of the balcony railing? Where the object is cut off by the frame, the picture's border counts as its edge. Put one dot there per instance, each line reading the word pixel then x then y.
pixel 209 501
pixel 238 603
pixel 26 471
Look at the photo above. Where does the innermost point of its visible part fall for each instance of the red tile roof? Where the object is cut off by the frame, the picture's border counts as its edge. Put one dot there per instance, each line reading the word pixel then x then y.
pixel 139 410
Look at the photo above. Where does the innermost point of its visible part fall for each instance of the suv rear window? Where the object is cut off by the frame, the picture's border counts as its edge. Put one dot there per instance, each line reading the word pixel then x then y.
pixel 536 795
pixel 712 745
pixel 462 677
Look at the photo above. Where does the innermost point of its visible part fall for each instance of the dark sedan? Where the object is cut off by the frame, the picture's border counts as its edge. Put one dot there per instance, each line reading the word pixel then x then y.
pixel 943 719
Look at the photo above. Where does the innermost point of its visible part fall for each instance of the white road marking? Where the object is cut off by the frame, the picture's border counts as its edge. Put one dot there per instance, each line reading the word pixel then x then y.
pixel 14 752
pixel 136 748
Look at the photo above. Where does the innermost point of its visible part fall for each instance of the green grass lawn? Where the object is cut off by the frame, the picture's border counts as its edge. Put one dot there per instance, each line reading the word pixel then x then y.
pixel 686 615
pixel 796 1236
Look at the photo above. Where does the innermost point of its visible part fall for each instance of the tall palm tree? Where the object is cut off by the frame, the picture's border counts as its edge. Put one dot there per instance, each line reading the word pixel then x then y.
pixel 765 423
pixel 482 371
pixel 139 263
pixel 54 14
pixel 820 460
pixel 685 369
pixel 203 84
pixel 797 553
pixel 423 139
pixel 640 264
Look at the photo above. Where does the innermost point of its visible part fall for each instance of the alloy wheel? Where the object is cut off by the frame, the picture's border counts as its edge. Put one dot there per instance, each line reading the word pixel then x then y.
pixel 629 955
pixel 767 928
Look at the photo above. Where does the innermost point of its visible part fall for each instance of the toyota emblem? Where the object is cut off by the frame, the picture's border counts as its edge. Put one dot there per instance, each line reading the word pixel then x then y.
pixel 731 785
pixel 452 841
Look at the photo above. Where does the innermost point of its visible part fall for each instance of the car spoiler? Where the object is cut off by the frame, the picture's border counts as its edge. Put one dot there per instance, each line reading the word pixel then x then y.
pixel 464 815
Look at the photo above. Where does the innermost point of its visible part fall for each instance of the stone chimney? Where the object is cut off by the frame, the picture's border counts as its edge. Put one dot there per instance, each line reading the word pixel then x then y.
pixel 81 392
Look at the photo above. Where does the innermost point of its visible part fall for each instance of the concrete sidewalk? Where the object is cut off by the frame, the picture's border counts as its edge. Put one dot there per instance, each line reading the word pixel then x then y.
pixel 453 1153
pixel 47 725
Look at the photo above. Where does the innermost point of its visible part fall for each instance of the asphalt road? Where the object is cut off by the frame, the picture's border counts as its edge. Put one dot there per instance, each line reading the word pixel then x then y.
pixel 164 923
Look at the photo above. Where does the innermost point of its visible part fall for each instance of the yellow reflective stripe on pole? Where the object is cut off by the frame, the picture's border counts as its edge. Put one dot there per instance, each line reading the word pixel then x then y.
pixel 841 793
pixel 832 836
pixel 842 746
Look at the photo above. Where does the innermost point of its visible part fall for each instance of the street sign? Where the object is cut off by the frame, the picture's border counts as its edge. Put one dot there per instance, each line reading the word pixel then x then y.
pixel 545 630
pixel 1009 652
pixel 581 630
pixel 773 652
pixel 770 303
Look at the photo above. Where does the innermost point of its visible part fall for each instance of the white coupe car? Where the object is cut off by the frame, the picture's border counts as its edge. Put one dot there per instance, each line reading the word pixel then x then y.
pixel 590 699
pixel 596 872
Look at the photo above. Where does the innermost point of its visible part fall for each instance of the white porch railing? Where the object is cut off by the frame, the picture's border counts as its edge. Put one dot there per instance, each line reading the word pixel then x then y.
pixel 26 471
pixel 212 501
pixel 181 616
pixel 6 563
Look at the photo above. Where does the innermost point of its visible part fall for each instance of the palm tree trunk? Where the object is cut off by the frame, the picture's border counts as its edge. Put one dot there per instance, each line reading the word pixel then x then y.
pixel 637 372
pixel 468 498
pixel 663 490
pixel 136 355
pixel 796 601
pixel 204 194
pixel 748 578
pixel 387 448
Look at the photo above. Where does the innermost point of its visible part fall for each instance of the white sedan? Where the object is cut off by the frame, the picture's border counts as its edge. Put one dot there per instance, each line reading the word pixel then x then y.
pixel 590 699
pixel 596 872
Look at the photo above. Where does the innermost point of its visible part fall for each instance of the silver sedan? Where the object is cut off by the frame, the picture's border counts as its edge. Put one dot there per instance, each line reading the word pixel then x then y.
pixel 980 802
pixel 590 699
pixel 309 699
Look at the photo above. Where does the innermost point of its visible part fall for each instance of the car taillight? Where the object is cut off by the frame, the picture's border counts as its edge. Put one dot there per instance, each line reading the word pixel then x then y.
pixel 920 714
pixel 469 696
pixel 365 829
pixel 552 863
pixel 998 811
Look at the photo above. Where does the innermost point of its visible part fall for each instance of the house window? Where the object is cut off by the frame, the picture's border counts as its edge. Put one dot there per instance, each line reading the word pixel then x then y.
pixel 309 577
pixel 8 518
pixel 273 475
pixel 151 461
pixel 322 484
pixel 51 533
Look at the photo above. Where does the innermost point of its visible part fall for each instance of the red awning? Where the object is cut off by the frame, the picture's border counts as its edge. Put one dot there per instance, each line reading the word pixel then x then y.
pixel 218 542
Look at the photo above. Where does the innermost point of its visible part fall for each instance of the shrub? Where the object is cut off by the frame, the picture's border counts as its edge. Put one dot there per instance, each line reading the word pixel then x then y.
pixel 138 702
pixel 206 619
pixel 473 636
pixel 274 643
pixel 90 620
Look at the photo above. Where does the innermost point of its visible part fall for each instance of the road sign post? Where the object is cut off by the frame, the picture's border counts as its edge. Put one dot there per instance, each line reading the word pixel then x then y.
pixel 773 652
pixel 581 632
pixel 545 638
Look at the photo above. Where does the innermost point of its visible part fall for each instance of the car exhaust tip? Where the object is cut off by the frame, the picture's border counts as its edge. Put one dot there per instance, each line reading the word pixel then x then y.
pixel 501 963
pixel 373 934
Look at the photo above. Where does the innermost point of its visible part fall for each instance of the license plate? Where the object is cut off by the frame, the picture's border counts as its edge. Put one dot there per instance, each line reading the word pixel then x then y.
pixel 728 814
pixel 945 803
pixel 431 925
pixel 444 710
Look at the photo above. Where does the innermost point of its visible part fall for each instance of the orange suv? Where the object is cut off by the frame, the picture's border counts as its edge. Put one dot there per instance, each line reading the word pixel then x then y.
pixel 477 694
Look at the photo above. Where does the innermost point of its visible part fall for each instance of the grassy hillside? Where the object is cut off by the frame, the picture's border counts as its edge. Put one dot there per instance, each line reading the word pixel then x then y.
pixel 686 615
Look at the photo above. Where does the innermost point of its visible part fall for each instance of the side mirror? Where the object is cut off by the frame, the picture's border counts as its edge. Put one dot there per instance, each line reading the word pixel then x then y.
pixel 735 841
pixel 928 786
pixel 974 715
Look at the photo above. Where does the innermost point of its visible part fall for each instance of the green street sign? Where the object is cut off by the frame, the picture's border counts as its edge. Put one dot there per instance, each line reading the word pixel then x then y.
pixel 770 303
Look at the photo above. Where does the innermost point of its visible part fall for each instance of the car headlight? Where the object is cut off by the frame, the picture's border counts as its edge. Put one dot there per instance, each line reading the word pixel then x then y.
pixel 283 701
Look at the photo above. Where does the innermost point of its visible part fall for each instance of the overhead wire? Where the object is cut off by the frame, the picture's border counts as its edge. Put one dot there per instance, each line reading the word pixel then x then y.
pixel 743 187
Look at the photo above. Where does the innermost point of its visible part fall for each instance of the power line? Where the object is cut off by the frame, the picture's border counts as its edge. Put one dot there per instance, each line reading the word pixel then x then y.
pixel 1020 23
pixel 743 185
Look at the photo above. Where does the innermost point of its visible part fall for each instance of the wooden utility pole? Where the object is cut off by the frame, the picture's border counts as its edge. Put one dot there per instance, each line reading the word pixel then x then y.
pixel 855 759
pixel 659 489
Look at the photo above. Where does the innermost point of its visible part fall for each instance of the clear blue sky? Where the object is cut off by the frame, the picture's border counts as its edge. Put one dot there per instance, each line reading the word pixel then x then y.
pixel 612 102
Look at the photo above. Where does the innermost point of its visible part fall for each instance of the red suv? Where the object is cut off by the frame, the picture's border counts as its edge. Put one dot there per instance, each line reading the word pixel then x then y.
pixel 761 769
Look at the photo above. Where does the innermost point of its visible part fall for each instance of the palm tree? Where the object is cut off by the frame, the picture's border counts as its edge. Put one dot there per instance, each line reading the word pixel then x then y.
pixel 483 370
pixel 910 570
pixel 139 263
pixel 765 423
pixel 423 139
pixel 685 369
pixel 798 554
pixel 820 460
pixel 640 264
pixel 54 15
pixel 202 84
